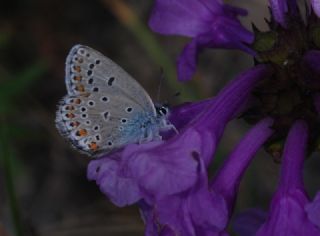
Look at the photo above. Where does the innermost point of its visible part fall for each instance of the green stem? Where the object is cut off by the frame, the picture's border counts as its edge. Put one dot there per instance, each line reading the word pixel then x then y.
pixel 6 153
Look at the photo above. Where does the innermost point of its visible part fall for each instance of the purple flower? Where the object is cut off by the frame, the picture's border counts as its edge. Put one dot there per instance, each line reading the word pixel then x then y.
pixel 206 207
pixel 210 23
pixel 291 213
pixel 155 170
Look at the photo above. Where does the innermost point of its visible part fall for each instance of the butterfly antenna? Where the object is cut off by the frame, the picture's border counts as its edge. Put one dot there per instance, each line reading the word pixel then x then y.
pixel 160 83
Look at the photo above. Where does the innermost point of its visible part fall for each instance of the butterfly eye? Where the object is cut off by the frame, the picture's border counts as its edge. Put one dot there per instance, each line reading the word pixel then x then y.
pixel 129 109
pixel 123 121
pixel 162 111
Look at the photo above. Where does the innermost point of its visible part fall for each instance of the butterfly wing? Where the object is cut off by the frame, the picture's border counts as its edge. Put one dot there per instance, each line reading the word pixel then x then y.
pixel 102 101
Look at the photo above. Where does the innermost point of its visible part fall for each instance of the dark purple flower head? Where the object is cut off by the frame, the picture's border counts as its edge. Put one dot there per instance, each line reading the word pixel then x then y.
pixel 291 45
pixel 210 23
pixel 291 213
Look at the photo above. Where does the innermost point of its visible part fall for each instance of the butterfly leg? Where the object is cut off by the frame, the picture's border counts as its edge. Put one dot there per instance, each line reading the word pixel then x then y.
pixel 168 126
pixel 147 136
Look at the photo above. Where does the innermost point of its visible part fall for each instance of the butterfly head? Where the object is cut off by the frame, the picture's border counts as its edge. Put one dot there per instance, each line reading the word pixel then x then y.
pixel 162 109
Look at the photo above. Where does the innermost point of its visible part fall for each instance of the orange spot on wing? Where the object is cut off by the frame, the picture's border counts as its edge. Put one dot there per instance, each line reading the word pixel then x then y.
pixel 77 78
pixel 77 101
pixel 80 88
pixel 82 132
pixel 93 146
pixel 69 108
pixel 70 115
pixel 77 69
pixel 74 124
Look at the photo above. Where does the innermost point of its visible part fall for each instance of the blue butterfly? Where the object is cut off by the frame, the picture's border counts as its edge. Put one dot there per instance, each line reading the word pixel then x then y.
pixel 105 108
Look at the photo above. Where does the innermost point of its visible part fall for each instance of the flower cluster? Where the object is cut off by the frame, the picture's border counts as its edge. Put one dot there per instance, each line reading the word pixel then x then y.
pixel 279 97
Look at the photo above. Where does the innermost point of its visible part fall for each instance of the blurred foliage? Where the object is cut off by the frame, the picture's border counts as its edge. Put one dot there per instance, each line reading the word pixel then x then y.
pixel 12 87
pixel 15 85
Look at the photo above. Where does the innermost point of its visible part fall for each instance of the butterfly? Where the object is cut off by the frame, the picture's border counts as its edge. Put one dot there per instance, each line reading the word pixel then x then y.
pixel 105 108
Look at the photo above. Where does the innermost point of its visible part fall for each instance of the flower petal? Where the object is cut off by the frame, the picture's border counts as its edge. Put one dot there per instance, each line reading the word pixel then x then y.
pixel 316 6
pixel 114 181
pixel 168 168
pixel 225 33
pixel 180 116
pixel 208 209
pixel 180 17
pixel 248 222
pixel 279 9
pixel 293 157
pixel 313 210
pixel 227 180
pixel 194 212
pixel 188 59
pixel 287 216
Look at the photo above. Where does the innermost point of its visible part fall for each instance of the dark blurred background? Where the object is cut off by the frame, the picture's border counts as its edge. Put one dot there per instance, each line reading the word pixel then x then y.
pixel 43 185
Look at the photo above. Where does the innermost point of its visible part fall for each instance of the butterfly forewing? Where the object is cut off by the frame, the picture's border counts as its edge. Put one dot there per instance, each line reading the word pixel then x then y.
pixel 87 69
pixel 102 100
